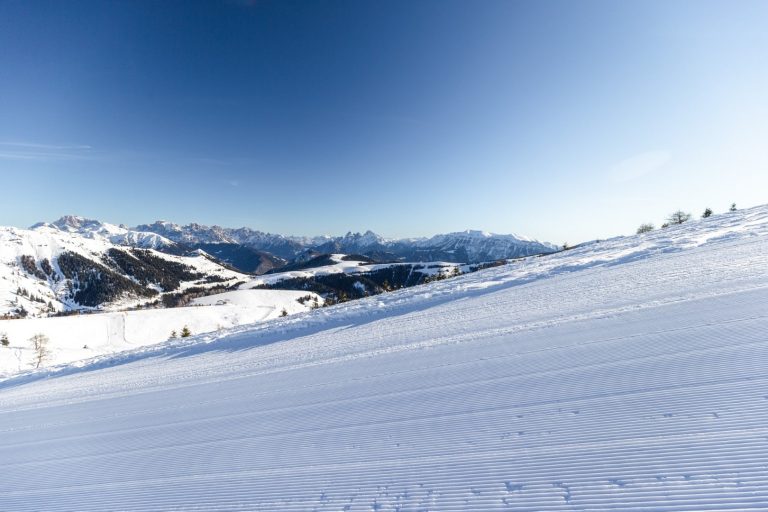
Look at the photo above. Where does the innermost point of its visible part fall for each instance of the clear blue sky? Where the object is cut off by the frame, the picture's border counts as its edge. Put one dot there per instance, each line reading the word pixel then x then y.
pixel 565 121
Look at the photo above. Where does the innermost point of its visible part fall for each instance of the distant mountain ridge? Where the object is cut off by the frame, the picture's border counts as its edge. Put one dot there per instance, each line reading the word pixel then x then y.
pixel 469 246
pixel 97 230
pixel 277 245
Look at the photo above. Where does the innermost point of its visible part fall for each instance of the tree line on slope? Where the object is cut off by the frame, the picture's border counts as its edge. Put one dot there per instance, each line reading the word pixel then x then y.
pixel 677 217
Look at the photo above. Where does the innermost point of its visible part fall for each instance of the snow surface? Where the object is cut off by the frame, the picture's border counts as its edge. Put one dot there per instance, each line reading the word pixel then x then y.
pixel 74 338
pixel 628 374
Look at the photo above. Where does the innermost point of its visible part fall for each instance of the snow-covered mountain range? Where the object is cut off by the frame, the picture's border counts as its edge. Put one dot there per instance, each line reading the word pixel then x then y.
pixel 102 231
pixel 193 234
pixel 255 251
pixel 460 247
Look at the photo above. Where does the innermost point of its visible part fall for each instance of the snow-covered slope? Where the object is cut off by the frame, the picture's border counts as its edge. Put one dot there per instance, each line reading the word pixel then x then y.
pixel 73 338
pixel 622 375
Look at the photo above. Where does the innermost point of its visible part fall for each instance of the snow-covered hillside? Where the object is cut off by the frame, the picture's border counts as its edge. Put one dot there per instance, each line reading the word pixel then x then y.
pixel 627 374
pixel 79 337
pixel 43 269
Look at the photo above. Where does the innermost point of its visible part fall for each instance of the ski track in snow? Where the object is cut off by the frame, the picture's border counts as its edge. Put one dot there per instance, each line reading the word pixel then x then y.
pixel 624 375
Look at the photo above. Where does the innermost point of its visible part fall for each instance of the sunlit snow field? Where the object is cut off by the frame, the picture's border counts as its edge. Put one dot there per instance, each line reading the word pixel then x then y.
pixel 628 374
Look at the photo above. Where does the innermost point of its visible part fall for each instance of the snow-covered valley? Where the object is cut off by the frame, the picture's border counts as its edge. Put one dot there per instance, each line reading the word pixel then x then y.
pixel 627 374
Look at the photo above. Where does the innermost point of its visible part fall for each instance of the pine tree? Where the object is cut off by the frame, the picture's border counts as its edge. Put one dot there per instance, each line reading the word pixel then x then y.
pixel 707 213
pixel 185 332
